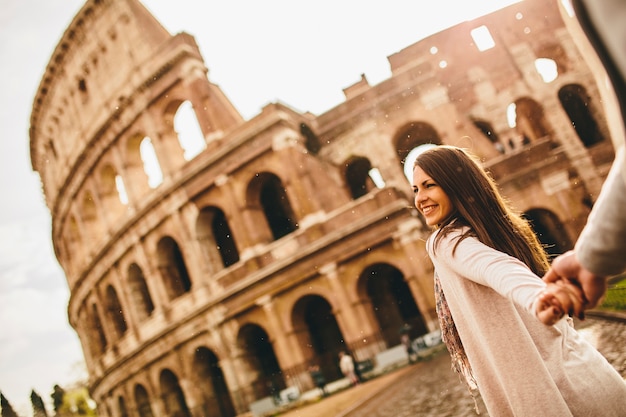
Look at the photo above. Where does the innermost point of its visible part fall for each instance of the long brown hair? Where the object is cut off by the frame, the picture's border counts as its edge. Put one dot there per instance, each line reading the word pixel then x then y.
pixel 479 205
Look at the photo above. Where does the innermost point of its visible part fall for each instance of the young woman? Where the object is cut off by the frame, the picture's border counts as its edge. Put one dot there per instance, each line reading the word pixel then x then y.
pixel 504 327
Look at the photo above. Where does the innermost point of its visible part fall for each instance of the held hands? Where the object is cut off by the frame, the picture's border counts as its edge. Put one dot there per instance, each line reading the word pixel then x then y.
pixel 560 298
pixel 567 267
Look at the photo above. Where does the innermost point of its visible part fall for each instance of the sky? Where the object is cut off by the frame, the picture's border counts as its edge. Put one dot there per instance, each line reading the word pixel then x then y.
pixel 300 53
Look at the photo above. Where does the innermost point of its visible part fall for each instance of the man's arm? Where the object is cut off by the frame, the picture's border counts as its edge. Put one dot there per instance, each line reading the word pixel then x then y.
pixel 601 248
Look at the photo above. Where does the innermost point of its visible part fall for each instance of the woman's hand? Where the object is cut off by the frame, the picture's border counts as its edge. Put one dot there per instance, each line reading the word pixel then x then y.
pixel 560 298
pixel 567 267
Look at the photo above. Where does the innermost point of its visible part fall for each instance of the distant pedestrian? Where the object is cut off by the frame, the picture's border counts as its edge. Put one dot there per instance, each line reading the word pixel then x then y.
pixel 406 341
pixel 346 363
pixel 318 379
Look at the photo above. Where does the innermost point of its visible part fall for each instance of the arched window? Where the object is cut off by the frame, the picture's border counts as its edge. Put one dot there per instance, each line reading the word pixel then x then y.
pixel 142 171
pixel 549 231
pixel 576 103
pixel 275 204
pixel 487 129
pixel 150 163
pixel 357 176
pixel 215 393
pixel 172 395
pixel 115 312
pixel 318 333
pixel 140 295
pixel 188 130
pixel 97 338
pixel 410 160
pixel 112 200
pixel 528 119
pixel 172 267
pixel 91 221
pixel 142 402
pixel 121 404
pixel 392 302
pixel 410 137
pixel 547 69
pixel 216 238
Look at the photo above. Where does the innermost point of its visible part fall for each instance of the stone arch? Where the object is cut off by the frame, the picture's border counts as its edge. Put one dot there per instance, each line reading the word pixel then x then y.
pixel 489 132
pixel 392 302
pixel 530 121
pixel 216 400
pixel 73 239
pixel 357 176
pixel 547 69
pixel 267 192
pixel 550 231
pixel 260 360
pixel 139 292
pixel 97 337
pixel 188 130
pixel 121 407
pixel 135 170
pixel 114 311
pixel 318 334
pixel 555 52
pixel 171 265
pixel 576 103
pixel 216 238
pixel 409 161
pixel 111 196
pixel 413 135
pixel 91 220
pixel 142 401
pixel 172 395
pixel 169 148
pixel 150 162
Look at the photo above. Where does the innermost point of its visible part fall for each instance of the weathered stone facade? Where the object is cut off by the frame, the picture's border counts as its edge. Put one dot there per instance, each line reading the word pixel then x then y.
pixel 200 286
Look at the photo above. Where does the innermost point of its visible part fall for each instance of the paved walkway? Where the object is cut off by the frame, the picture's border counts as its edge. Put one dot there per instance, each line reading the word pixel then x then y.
pixel 341 403
pixel 431 389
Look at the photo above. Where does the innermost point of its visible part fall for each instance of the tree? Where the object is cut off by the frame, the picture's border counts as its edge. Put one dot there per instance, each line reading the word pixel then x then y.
pixel 57 398
pixel 7 410
pixel 73 402
pixel 39 409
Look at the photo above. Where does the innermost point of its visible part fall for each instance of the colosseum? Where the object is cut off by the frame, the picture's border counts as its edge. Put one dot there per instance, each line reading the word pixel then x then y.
pixel 213 260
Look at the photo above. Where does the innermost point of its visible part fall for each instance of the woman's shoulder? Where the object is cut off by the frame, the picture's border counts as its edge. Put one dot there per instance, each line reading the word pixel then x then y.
pixel 447 237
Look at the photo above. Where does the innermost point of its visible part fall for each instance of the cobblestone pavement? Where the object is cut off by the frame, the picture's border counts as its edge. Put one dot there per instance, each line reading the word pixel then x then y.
pixel 432 389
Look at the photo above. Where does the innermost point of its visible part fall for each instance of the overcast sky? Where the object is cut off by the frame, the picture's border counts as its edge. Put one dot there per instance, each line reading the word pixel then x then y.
pixel 300 53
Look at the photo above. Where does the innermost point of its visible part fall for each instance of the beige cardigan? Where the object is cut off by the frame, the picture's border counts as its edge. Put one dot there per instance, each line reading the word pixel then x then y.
pixel 523 367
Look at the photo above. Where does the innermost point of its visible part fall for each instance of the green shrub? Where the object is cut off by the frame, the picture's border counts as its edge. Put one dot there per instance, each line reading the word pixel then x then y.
pixel 615 298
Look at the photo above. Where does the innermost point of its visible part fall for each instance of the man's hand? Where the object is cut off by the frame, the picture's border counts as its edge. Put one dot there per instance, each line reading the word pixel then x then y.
pixel 560 298
pixel 567 267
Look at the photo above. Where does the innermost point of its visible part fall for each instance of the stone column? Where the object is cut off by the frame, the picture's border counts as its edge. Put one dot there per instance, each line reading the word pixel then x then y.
pixel 421 283
pixel 193 398
pixel 153 278
pixel 279 342
pixel 353 327
pixel 125 298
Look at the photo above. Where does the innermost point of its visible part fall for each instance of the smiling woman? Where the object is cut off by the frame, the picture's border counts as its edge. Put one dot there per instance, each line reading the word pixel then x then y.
pixel 490 297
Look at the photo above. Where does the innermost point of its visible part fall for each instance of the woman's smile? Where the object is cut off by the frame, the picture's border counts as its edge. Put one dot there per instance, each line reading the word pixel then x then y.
pixel 430 199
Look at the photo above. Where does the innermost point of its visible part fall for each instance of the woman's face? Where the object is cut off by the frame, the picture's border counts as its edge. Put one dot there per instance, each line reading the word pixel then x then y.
pixel 430 199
